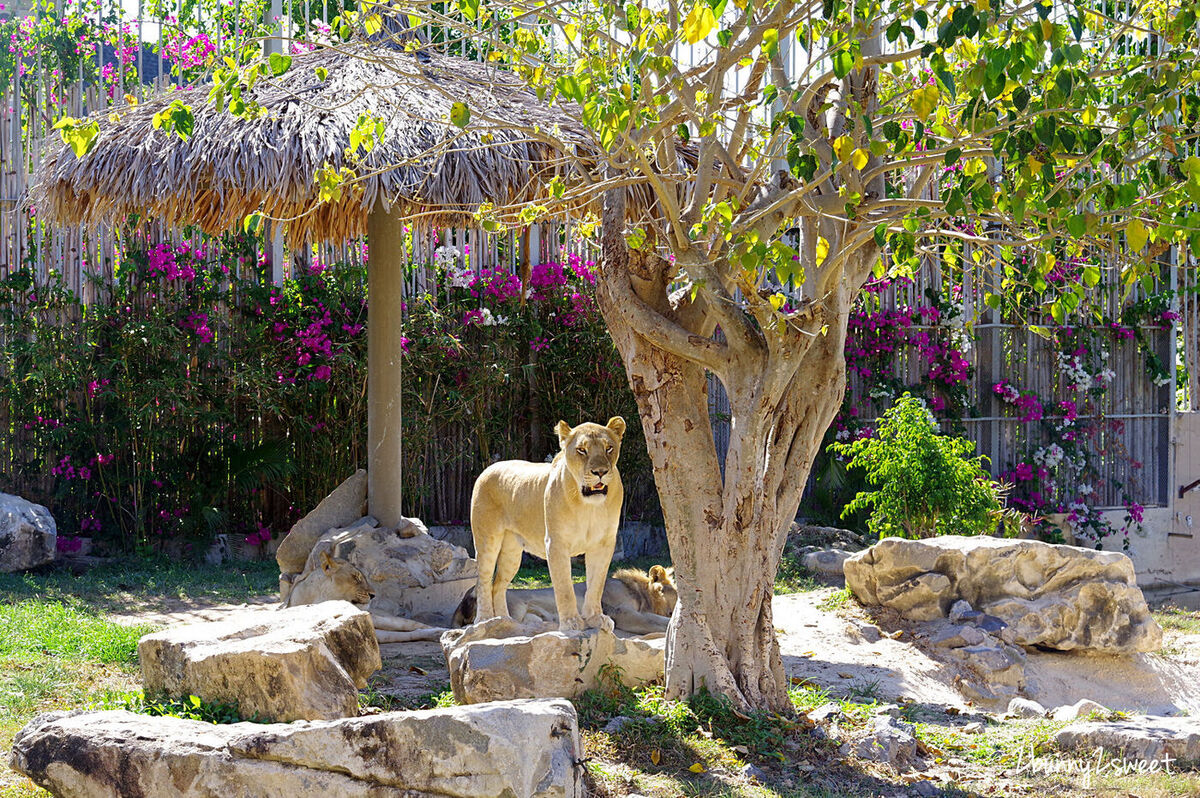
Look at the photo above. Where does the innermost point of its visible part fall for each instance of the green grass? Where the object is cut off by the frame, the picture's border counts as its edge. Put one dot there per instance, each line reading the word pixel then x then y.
pixel 52 629
pixel 1178 619
pixel 125 584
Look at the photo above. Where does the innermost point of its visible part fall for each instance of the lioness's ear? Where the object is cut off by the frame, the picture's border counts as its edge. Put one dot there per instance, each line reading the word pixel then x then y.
pixel 326 561
pixel 617 425
pixel 564 432
pixel 658 573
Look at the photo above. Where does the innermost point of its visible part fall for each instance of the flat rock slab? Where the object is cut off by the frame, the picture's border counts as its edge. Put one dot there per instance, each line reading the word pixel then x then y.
pixel 499 659
pixel 525 749
pixel 1141 738
pixel 1059 597
pixel 28 535
pixel 347 503
pixel 303 663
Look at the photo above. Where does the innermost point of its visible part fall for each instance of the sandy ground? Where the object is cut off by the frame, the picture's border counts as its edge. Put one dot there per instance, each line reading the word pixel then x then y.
pixel 845 652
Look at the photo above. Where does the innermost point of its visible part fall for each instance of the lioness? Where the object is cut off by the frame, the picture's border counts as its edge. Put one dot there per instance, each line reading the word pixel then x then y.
pixel 335 579
pixel 556 510
pixel 638 602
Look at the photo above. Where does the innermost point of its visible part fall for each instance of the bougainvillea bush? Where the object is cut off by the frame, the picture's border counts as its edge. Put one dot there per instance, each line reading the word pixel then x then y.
pixel 195 397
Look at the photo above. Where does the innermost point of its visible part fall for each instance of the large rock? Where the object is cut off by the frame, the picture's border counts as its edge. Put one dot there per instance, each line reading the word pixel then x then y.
pixel 28 536
pixel 499 659
pixel 299 663
pixel 412 574
pixel 1142 739
pixel 524 749
pixel 347 503
pixel 1058 597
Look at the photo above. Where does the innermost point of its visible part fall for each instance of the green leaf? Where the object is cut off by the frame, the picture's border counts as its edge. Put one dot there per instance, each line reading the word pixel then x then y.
pixel 322 73
pixel 253 223
pixel 1091 276
pixel 880 234
pixel 279 63
pixel 460 114
pixel 770 42
pixel 1077 225
pixel 952 156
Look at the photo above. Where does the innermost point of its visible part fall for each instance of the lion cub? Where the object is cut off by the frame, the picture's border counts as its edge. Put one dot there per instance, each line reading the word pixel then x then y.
pixel 556 510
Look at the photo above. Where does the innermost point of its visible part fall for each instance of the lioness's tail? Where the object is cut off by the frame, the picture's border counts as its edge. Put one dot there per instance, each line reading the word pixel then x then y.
pixel 464 615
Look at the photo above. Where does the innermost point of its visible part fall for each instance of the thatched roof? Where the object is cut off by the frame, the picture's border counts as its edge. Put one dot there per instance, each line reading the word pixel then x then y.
pixel 230 168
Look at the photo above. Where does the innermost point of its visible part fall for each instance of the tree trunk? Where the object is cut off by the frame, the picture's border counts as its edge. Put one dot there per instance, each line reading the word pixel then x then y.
pixel 726 532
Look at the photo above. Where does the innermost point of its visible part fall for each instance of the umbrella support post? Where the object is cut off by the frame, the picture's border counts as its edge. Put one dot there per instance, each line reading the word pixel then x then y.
pixel 385 293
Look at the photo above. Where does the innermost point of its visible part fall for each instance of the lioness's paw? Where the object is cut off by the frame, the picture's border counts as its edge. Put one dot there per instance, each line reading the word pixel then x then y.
pixel 599 621
pixel 571 624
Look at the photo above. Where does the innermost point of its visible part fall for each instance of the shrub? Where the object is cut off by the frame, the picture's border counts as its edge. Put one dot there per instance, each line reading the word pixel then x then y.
pixel 922 483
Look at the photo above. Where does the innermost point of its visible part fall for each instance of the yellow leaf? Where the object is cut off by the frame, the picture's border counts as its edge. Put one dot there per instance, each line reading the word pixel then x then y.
pixel 697 768
pixel 1136 235
pixel 859 159
pixel 698 23
pixel 843 146
pixel 822 249
pixel 924 100
pixel 982 5
pixel 1033 163
pixel 655 756
pixel 1191 164
pixel 570 31
pixel 1047 29
pixel 131 99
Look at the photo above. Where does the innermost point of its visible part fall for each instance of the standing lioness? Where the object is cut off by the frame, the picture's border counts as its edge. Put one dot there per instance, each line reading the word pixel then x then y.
pixel 555 510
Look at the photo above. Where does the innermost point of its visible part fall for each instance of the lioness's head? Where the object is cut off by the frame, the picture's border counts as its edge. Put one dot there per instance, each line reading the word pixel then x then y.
pixel 344 581
pixel 663 595
pixel 591 453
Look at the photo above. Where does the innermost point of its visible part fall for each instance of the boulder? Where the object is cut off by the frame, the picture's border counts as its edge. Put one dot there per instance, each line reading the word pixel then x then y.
pixel 499 659
pixel 299 663
pixel 1141 739
pixel 524 749
pixel 1080 709
pixel 457 534
pixel 340 508
pixel 28 535
pixel 1051 596
pixel 1025 708
pixel 888 740
pixel 825 562
pixel 412 574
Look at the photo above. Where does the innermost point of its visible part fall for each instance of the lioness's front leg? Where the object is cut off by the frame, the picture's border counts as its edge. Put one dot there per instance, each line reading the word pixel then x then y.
pixel 597 573
pixel 558 557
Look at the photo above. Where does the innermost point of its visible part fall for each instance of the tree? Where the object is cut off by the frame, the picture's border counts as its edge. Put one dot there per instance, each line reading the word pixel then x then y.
pixel 747 194
pixel 859 137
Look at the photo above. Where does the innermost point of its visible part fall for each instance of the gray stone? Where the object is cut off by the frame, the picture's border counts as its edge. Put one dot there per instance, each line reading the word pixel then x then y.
pixel 973 728
pixel 616 725
pixel 926 789
pixel 830 710
pixel 347 502
pixel 1025 708
pixel 640 539
pixel 525 749
pixel 28 535
pixel 412 574
pixel 826 562
pixel 1142 739
pixel 752 771
pixel 1060 597
pixel 998 669
pixel 499 659
pixel 888 740
pixel 960 610
pixel 456 534
pixel 1080 709
pixel 949 635
pixel 282 665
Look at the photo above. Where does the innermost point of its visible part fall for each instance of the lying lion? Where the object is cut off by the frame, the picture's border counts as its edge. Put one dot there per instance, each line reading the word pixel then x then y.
pixel 638 602
pixel 555 510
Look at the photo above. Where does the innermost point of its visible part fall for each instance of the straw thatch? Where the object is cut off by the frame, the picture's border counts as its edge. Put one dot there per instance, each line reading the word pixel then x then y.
pixel 229 168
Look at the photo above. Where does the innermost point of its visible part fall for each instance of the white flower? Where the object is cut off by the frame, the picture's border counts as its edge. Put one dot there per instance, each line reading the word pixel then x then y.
pixel 486 318
pixel 1086 490
pixel 843 435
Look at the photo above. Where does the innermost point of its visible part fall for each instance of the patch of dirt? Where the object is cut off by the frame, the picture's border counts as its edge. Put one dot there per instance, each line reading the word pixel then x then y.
pixel 174 611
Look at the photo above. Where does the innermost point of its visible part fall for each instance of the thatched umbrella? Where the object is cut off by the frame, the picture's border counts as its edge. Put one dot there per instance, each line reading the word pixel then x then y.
pixel 425 167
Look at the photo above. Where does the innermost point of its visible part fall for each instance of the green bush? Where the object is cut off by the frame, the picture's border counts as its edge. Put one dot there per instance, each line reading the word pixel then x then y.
pixel 922 484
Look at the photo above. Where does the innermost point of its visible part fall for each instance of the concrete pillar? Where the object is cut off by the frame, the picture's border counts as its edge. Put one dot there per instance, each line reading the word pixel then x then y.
pixel 385 292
